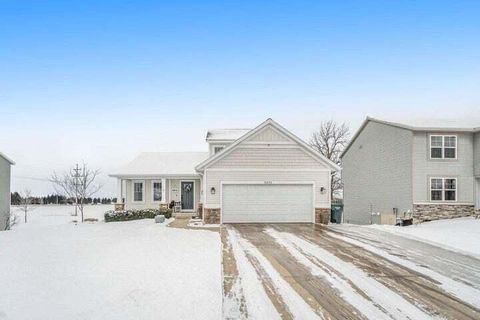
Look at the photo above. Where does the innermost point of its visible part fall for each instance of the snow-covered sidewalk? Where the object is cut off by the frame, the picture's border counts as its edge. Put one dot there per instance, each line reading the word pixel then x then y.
pixel 462 234
pixel 120 270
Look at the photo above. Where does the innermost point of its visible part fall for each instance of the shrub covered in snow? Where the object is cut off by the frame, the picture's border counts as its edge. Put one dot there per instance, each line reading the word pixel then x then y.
pixel 126 215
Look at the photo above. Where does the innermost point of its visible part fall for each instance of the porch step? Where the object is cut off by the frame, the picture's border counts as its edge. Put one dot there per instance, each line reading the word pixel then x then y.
pixel 183 215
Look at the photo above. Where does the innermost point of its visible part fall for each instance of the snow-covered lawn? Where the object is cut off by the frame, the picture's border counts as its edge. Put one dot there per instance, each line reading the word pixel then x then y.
pixel 52 268
pixel 52 215
pixel 462 234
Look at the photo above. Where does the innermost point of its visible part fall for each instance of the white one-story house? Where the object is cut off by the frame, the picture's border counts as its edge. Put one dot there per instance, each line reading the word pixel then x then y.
pixel 265 174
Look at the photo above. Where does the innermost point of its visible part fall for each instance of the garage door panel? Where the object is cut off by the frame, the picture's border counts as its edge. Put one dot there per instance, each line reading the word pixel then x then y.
pixel 267 203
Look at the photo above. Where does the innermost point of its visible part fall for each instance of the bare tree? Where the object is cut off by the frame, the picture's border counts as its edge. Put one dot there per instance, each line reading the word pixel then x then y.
pixel 330 140
pixel 78 184
pixel 25 203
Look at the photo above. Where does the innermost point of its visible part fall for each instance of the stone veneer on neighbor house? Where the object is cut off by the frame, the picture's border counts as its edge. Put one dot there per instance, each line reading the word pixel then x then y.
pixel 322 215
pixel 211 216
pixel 436 211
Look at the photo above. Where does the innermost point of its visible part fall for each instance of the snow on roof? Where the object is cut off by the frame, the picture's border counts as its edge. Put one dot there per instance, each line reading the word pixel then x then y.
pixel 162 163
pixel 7 158
pixel 226 134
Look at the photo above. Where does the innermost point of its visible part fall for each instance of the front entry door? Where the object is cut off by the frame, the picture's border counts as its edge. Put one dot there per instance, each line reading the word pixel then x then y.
pixel 187 195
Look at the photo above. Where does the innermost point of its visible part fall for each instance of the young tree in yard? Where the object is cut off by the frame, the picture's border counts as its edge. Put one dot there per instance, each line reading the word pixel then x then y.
pixel 330 140
pixel 78 184
pixel 25 203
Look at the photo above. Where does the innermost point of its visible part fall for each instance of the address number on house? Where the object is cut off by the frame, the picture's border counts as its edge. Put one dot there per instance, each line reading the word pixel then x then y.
pixel 267 182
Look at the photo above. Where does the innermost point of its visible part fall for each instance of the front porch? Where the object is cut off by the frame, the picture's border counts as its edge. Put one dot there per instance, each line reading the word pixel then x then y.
pixel 182 194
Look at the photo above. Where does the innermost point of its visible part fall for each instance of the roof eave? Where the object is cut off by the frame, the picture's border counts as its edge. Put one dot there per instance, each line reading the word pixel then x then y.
pixel 7 159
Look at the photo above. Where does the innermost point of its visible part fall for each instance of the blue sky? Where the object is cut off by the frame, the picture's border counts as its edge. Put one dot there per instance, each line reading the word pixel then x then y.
pixel 100 81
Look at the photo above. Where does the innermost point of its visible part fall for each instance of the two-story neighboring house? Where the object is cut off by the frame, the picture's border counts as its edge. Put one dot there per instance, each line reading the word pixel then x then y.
pixel 264 174
pixel 5 164
pixel 433 172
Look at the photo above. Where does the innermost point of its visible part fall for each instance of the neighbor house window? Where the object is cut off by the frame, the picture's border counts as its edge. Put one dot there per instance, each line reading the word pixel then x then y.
pixel 138 191
pixel 443 147
pixel 157 191
pixel 218 149
pixel 443 189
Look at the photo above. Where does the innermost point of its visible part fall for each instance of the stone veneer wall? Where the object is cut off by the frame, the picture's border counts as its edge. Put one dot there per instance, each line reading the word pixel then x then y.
pixel 322 215
pixel 211 216
pixel 437 211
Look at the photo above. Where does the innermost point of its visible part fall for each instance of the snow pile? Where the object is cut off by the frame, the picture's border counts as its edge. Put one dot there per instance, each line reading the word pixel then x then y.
pixel 126 270
pixel 462 234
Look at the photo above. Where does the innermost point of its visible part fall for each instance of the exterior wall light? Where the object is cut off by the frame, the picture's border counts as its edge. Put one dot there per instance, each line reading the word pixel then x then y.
pixel 212 190
pixel 322 190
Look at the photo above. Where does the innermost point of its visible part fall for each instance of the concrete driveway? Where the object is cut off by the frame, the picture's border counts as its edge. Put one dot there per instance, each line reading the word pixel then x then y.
pixel 288 271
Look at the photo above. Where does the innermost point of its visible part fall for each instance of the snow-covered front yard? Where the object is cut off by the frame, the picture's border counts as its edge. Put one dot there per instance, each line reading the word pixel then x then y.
pixel 52 268
pixel 462 234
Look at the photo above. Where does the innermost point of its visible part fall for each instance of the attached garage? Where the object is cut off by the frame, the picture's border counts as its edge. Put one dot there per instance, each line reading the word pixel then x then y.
pixel 256 203
pixel 268 175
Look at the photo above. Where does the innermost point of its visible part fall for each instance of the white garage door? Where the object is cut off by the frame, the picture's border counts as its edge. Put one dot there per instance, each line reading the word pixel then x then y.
pixel 267 203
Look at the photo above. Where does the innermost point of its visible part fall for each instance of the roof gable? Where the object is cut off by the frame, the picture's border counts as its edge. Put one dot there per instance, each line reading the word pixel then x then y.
pixel 268 134
pixel 268 129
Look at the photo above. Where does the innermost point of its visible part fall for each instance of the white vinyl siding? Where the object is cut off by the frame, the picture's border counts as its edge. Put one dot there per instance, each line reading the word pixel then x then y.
pixel 267 203
pixel 267 157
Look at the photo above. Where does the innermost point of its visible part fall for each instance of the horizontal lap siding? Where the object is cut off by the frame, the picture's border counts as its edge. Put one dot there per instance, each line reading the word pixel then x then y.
pixel 377 173
pixel 461 168
pixel 268 157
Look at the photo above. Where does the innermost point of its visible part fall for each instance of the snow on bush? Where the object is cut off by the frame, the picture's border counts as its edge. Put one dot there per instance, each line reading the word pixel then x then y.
pixel 127 215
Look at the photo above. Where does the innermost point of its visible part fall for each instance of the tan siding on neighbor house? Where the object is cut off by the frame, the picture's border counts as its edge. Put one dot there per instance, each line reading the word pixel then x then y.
pixel 461 168
pixel 377 173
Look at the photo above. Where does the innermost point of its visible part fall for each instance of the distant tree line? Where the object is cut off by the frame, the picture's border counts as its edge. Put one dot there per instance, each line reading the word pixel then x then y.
pixel 16 199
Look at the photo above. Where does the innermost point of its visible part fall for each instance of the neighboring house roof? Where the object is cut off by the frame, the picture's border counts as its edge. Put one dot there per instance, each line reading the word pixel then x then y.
pixel 250 133
pixel 444 126
pixel 7 158
pixel 225 134
pixel 162 164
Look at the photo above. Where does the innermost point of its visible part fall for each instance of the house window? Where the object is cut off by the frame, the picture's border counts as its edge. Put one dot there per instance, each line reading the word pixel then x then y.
pixel 157 191
pixel 443 189
pixel 443 147
pixel 218 149
pixel 138 191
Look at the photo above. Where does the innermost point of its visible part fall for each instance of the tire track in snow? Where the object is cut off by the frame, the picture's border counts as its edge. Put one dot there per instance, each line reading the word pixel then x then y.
pixel 257 302
pixel 411 285
pixel 396 306
pixel 459 289
pixel 317 292
pixel 296 307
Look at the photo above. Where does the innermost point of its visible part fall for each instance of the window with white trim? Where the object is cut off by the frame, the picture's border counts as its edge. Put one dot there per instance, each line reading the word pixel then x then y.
pixel 443 147
pixel 138 188
pixel 443 189
pixel 157 191
pixel 218 149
